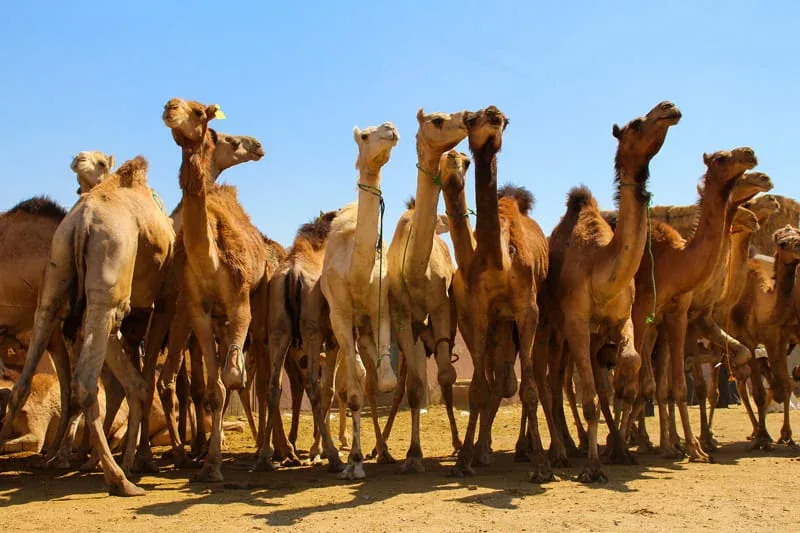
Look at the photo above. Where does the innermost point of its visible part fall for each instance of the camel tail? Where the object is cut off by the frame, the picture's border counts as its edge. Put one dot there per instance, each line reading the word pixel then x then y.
pixel 293 296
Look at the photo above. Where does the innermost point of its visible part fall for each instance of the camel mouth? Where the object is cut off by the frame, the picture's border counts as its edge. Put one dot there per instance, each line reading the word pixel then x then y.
pixel 673 117
pixel 258 153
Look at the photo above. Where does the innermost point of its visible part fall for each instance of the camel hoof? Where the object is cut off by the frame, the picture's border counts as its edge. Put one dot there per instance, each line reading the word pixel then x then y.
pixel 541 475
pixel 353 472
pixel 709 443
pixel 483 458
pixel 457 444
pixel 315 460
pixel 385 458
pixel 58 463
pixel 762 442
pixel 263 465
pixel 522 456
pixel 209 474
pixel 290 461
pixel 90 465
pixel 125 488
pixel 461 470
pixel 622 457
pixel 144 465
pixel 671 452
pixel 344 445
pixel 335 466
pixel 559 460
pixel 592 475
pixel 412 465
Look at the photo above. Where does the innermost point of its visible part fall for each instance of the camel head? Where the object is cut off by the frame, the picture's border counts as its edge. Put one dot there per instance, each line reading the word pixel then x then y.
pixel 787 240
pixel 375 146
pixel 749 185
pixel 230 150
pixel 440 131
pixel 91 167
pixel 744 221
pixel 189 120
pixel 726 165
pixel 642 138
pixel 763 207
pixel 453 166
pixel 485 130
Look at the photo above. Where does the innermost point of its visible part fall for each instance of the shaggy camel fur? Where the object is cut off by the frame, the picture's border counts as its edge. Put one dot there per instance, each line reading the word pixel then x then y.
pixel 765 314
pixel 224 276
pixel 353 281
pixel 420 274
pixel 107 260
pixel 590 287
pixel 495 293
pixel 673 286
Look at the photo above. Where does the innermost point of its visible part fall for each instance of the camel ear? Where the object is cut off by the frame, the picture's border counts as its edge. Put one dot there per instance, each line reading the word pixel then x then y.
pixel 74 165
pixel 420 115
pixel 110 162
pixel 707 158
pixel 356 134
pixel 616 131
pixel 214 112
pixel 442 225
pixel 469 119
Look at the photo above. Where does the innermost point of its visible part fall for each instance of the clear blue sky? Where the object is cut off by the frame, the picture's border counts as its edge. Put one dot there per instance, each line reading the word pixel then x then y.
pixel 94 76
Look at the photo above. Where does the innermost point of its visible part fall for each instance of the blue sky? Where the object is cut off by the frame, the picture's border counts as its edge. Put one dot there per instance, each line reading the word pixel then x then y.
pixel 299 76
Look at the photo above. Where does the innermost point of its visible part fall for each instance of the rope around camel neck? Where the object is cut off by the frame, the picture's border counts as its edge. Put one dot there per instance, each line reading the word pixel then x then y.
pixel 375 191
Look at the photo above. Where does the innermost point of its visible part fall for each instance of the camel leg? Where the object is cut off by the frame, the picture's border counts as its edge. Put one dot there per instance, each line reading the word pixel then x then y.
pixel 647 384
pixel 183 391
pixel 499 355
pixel 569 390
pixel 675 328
pixel 626 375
pixel 713 398
pixel 414 364
pixel 58 279
pixel 58 352
pixel 397 399
pixel 741 387
pixel 761 438
pixel 292 368
pixel 327 394
pixel 441 321
pixel 558 360
pixel 781 383
pixel 197 388
pixel 662 374
pixel 381 449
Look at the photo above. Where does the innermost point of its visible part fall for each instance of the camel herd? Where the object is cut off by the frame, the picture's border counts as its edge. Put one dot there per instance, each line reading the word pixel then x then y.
pixel 117 292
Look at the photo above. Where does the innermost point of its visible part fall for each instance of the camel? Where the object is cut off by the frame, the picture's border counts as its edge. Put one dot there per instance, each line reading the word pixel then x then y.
pixel 664 295
pixel 590 288
pixel 224 279
pixel 107 260
pixel 299 324
pixel 765 314
pixel 353 281
pixel 495 289
pixel 420 274
pixel 789 213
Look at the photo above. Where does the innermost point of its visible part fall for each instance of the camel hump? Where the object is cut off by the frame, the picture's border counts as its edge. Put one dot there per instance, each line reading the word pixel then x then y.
pixel 521 195
pixel 133 172
pixel 579 198
pixel 42 206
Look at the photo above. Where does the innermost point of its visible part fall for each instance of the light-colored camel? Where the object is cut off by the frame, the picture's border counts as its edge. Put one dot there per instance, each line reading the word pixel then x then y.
pixel 789 213
pixel 91 167
pixel 107 260
pixel 353 281
pixel 224 278
pixel 663 307
pixel 299 324
pixel 590 288
pixel 765 314
pixel 420 275
pixel 495 293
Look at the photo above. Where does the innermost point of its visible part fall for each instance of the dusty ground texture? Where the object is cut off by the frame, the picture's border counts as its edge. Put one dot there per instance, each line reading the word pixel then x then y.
pixel 743 490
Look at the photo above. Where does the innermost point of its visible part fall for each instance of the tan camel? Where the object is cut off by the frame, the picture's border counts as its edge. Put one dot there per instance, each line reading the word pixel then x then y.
pixel 353 281
pixel 667 308
pixel 420 274
pixel 299 323
pixel 91 167
pixel 590 287
pixel 224 278
pixel 495 289
pixel 789 213
pixel 107 260
pixel 765 314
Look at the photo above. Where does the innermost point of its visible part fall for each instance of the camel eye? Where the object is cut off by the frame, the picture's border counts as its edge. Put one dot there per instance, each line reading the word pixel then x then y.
pixel 101 164
pixel 438 122
pixel 198 113
pixel 364 136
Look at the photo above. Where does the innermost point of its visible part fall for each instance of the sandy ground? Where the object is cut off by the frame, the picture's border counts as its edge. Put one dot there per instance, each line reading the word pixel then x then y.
pixel 742 490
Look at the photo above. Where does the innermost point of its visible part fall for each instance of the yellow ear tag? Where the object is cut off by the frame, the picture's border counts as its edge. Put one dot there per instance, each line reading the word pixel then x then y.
pixel 219 115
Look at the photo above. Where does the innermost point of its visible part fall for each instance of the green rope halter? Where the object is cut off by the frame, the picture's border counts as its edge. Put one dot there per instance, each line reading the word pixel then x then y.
pixel 437 178
pixel 375 191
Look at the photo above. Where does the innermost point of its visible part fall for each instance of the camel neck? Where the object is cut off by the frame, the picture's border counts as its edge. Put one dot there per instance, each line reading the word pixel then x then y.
pixel 630 235
pixel 736 269
pixel 197 238
pixel 423 227
pixel 782 293
pixel 367 230
pixel 487 223
pixel 702 252
pixel 455 202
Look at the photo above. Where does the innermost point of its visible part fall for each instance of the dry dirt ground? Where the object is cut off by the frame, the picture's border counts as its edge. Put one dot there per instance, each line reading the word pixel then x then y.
pixel 743 490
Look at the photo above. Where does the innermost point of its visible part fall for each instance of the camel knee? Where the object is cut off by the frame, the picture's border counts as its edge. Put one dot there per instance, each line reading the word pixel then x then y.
pixel 530 398
pixel 679 392
pixel 590 410
pixel 779 392
pixel 446 375
pixel 741 356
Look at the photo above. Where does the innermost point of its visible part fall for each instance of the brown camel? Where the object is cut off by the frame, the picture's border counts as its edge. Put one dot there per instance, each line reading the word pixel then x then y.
pixel 495 291
pixel 353 281
pixel 299 323
pixel 590 287
pixel 420 275
pixel 107 260
pixel 665 304
pixel 224 277
pixel 789 213
pixel 765 314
